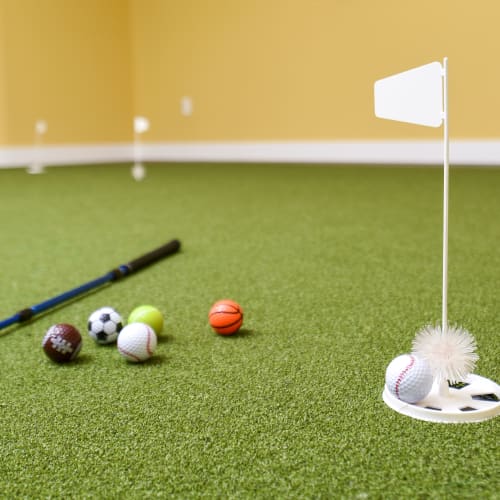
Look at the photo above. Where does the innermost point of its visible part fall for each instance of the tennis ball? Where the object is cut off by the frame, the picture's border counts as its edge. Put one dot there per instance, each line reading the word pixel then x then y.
pixel 149 315
pixel 225 317
pixel 137 342
pixel 62 343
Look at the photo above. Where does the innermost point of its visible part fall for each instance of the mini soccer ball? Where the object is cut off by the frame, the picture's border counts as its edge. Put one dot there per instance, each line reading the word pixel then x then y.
pixel 104 325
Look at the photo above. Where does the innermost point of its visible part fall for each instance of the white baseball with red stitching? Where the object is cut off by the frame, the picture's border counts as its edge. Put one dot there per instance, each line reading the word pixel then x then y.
pixel 137 342
pixel 409 378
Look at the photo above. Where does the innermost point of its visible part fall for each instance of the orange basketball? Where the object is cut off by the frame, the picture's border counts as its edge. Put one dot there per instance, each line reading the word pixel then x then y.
pixel 225 317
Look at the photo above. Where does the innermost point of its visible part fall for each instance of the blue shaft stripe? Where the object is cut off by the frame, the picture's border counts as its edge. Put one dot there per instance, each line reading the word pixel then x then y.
pixel 43 306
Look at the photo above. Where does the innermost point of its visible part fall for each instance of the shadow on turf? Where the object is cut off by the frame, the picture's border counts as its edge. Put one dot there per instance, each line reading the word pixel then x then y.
pixel 156 360
pixel 81 359
pixel 163 339
pixel 10 329
pixel 242 333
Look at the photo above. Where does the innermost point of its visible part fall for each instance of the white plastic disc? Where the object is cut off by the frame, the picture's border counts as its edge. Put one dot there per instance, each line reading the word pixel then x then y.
pixel 35 168
pixel 138 171
pixel 474 400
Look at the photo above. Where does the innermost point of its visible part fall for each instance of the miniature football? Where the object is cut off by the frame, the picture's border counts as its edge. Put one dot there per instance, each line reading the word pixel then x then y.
pixel 62 343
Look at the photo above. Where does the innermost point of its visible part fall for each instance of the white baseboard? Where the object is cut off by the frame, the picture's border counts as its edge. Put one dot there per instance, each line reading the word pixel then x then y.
pixel 71 154
pixel 462 152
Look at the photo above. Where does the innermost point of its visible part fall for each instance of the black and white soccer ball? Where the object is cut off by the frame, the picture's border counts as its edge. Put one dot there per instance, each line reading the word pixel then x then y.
pixel 104 325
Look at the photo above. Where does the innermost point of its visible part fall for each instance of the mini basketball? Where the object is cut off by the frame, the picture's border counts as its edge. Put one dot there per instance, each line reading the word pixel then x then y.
pixel 225 317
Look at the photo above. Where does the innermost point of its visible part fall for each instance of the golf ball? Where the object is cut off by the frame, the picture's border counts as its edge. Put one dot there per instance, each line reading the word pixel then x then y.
pixel 409 378
pixel 149 315
pixel 137 342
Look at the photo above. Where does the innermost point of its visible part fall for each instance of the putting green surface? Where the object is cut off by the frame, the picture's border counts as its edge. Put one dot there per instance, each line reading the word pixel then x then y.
pixel 336 269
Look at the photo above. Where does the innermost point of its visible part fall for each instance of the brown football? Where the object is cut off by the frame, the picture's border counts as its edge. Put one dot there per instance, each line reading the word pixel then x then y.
pixel 62 343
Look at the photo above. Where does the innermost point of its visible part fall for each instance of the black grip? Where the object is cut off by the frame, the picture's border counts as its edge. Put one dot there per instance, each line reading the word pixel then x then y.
pixel 25 314
pixel 155 255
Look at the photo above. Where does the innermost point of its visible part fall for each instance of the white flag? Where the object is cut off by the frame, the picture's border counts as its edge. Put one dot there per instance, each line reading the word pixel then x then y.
pixel 414 96
pixel 41 127
pixel 141 124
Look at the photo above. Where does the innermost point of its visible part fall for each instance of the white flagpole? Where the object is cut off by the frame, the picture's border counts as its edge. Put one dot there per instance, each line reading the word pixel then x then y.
pixel 141 125
pixel 444 325
pixel 136 146
pixel 443 384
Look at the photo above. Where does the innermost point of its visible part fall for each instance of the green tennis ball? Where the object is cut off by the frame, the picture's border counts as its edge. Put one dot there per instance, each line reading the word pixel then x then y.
pixel 149 315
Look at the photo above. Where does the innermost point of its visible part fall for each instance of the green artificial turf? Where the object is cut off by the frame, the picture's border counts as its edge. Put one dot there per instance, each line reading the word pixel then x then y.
pixel 336 269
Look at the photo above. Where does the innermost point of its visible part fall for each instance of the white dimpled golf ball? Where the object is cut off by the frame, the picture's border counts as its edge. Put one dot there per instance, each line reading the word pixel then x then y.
pixel 137 342
pixel 409 378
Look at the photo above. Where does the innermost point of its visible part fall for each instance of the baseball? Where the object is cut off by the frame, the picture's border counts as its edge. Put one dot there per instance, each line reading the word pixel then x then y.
pixel 409 378
pixel 137 342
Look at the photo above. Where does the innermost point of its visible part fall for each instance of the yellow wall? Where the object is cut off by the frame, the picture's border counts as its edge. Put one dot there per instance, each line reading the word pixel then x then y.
pixel 304 69
pixel 3 110
pixel 256 69
pixel 67 61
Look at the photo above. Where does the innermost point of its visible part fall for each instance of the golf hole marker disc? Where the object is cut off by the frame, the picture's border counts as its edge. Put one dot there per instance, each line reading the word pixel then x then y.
pixel 474 400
